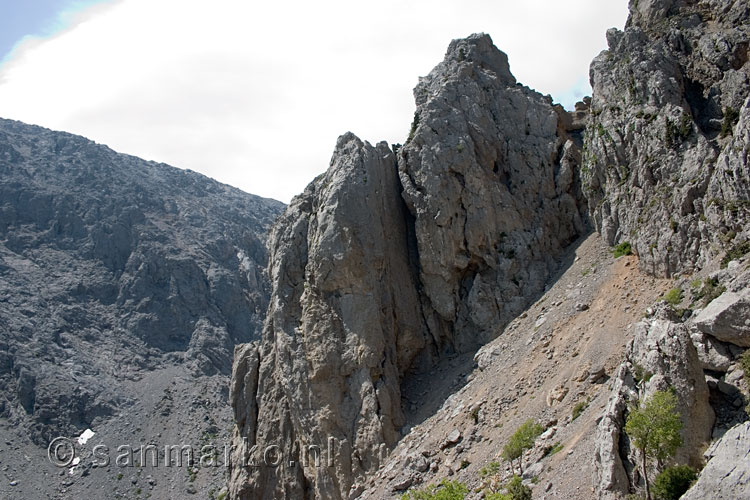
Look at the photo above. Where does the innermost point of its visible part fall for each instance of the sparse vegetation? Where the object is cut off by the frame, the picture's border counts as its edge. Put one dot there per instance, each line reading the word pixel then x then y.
pixel 521 440
pixel 446 490
pixel 514 490
pixel 705 291
pixel 640 374
pixel 579 408
pixel 654 429
pixel 676 133
pixel 673 482
pixel 490 469
pixel 735 252
pixel 673 297
pixel 517 490
pixel 558 446
pixel 623 248
pixel 731 117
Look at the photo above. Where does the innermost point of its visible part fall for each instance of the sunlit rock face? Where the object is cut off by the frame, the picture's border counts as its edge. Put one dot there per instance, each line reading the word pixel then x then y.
pixel 665 165
pixel 395 258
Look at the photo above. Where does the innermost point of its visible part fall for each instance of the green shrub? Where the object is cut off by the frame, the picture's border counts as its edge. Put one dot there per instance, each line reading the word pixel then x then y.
pixel 623 248
pixel 640 374
pixel 446 490
pixel 517 490
pixel 673 297
pixel 521 440
pixel 579 408
pixel 673 482
pixel 551 450
pixel 706 290
pixel 514 490
pixel 490 469
pixel 735 252
pixel 654 429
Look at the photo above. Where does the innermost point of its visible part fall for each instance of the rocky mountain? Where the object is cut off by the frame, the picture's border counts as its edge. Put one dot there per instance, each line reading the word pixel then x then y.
pixel 115 269
pixel 394 266
pixel 665 164
pixel 414 306
pixel 392 261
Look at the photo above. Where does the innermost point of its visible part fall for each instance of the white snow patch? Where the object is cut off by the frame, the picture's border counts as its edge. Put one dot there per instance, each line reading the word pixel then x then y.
pixel 84 438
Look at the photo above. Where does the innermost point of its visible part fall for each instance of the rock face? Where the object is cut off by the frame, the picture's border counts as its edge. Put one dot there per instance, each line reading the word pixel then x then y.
pixel 390 260
pixel 344 323
pixel 725 475
pixel 665 165
pixel 661 356
pixel 491 180
pixel 112 266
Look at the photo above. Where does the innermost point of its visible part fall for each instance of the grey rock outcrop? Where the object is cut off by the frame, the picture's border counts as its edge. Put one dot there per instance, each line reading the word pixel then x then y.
pixel 393 259
pixel 725 475
pixel 343 325
pixel 112 266
pixel 492 185
pixel 661 356
pixel 665 165
pixel 727 318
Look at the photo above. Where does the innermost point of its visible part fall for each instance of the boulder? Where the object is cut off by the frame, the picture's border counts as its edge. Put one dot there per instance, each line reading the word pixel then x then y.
pixel 727 318
pixel 725 476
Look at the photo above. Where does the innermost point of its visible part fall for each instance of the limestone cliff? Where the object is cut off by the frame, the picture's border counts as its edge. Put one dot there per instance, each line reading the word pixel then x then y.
pixel 391 260
pixel 666 161
pixel 666 168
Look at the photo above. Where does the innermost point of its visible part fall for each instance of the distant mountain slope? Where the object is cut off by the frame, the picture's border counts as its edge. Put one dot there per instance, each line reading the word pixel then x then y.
pixel 111 266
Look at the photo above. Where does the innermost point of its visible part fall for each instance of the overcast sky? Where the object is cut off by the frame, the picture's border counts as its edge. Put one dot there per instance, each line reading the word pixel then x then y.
pixel 255 94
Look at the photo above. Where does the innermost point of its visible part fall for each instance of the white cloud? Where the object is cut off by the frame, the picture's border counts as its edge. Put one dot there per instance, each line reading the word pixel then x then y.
pixel 255 94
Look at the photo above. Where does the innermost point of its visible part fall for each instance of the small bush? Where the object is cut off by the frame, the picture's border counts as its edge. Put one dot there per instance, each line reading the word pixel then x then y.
pixel 673 297
pixel 517 490
pixel 735 252
pixel 579 408
pixel 490 469
pixel 446 490
pixel 706 290
pixel 521 440
pixel 558 446
pixel 640 374
pixel 623 248
pixel 673 482
pixel 731 117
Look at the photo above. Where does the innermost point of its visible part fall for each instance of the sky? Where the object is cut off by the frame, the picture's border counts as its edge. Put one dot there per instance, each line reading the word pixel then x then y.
pixel 254 94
